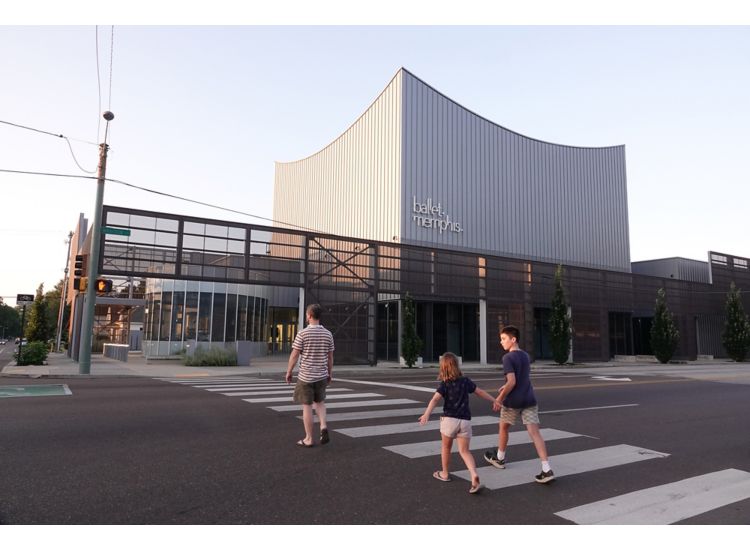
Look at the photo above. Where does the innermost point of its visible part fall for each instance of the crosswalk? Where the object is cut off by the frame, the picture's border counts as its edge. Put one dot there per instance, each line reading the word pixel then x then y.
pixel 662 504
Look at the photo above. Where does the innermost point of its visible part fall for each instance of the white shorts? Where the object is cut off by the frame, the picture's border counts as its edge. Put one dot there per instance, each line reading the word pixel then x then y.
pixel 455 427
pixel 529 415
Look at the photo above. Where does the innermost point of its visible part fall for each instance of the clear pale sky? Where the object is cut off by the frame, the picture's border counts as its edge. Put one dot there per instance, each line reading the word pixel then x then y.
pixel 204 112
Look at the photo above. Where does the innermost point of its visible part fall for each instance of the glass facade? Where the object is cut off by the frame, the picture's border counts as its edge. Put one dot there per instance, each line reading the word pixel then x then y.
pixel 189 313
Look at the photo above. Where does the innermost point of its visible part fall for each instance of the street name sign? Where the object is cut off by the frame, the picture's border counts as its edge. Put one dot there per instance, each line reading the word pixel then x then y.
pixel 115 231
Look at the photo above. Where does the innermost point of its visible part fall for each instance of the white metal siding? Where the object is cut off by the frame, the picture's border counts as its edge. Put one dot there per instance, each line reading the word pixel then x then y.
pixel 351 187
pixel 513 195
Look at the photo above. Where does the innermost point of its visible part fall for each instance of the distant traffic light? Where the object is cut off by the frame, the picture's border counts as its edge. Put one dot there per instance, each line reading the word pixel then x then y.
pixel 78 272
pixel 104 285
pixel 78 268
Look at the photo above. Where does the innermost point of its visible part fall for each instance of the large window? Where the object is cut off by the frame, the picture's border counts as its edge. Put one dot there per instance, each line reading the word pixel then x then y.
pixel 191 315
pixel 217 328
pixel 204 317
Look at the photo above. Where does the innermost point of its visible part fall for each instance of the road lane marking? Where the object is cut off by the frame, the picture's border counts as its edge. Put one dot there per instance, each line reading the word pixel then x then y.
pixel 368 403
pixel 611 378
pixel 665 504
pixel 590 408
pixel 519 473
pixel 432 448
pixel 367 415
pixel 386 385
pixel 603 385
pixel 282 399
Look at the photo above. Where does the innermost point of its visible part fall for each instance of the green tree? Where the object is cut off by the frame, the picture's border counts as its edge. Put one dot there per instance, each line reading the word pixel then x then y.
pixel 37 325
pixel 53 310
pixel 736 336
pixel 559 322
pixel 411 344
pixel 10 322
pixel 664 334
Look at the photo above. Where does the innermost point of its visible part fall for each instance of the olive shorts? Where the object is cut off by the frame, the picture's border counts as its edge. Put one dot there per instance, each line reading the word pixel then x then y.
pixel 308 392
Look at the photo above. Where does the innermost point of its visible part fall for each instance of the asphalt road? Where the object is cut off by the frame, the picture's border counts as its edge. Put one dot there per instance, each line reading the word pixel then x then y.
pixel 6 353
pixel 145 451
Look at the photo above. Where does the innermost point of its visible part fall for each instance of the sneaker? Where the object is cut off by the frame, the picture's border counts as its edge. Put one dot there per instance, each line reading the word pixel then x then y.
pixel 491 457
pixel 545 477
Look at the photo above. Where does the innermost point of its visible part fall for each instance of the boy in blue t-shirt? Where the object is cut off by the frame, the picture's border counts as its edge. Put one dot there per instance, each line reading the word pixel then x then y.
pixel 518 400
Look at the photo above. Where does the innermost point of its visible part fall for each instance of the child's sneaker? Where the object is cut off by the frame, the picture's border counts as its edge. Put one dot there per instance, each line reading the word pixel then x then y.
pixel 545 477
pixel 491 457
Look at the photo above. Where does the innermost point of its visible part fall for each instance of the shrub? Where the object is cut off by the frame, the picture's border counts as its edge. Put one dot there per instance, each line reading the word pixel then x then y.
pixel 559 322
pixel 664 333
pixel 410 342
pixel 34 353
pixel 212 358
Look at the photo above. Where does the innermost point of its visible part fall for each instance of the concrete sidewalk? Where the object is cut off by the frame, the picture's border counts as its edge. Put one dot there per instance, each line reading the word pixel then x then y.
pixel 59 365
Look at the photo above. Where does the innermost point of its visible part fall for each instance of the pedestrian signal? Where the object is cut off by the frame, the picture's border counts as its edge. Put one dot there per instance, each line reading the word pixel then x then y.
pixel 80 283
pixel 104 285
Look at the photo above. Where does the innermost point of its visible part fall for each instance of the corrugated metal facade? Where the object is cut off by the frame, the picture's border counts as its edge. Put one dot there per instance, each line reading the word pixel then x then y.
pixel 421 168
pixel 353 186
pixel 683 269
pixel 512 195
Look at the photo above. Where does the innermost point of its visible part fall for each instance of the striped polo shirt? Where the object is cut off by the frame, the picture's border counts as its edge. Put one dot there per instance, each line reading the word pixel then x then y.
pixel 313 342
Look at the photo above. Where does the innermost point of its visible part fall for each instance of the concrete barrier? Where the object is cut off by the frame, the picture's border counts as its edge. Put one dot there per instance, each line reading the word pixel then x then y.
pixel 117 351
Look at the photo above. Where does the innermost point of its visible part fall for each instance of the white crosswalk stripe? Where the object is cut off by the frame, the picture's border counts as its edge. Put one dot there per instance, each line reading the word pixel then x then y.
pixel 282 399
pixel 351 404
pixel 666 504
pixel 246 386
pixel 478 442
pixel 367 415
pixel 289 391
pixel 407 427
pixel 519 473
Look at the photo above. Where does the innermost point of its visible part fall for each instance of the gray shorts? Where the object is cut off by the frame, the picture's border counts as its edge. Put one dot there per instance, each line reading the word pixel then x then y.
pixel 529 415
pixel 455 427
pixel 308 392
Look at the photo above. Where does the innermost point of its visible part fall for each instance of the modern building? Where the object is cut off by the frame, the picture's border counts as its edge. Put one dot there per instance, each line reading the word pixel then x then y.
pixel 421 196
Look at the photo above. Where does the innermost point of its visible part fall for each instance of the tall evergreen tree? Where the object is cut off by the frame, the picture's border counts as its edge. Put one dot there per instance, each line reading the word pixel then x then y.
pixel 559 322
pixel 664 334
pixel 37 325
pixel 411 344
pixel 736 336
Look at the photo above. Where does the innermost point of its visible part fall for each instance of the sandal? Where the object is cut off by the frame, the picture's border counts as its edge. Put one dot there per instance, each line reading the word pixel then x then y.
pixel 437 476
pixel 324 437
pixel 301 443
pixel 475 486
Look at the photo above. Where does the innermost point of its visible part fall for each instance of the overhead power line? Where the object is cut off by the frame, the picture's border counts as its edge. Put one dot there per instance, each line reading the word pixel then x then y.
pixel 67 140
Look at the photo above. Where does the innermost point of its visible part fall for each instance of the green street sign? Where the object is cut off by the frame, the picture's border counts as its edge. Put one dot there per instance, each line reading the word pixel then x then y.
pixel 115 231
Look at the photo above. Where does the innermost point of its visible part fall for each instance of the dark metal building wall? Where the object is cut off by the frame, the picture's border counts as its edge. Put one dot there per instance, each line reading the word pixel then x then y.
pixel 347 276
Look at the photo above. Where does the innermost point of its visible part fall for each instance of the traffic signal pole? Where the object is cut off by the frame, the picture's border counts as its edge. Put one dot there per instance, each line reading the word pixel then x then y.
pixel 87 325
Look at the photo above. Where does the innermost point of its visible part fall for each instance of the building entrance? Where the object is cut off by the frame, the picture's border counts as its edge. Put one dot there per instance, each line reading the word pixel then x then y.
pixel 283 330
pixel 448 327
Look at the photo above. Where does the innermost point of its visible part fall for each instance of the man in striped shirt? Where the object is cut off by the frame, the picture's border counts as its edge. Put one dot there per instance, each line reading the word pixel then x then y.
pixel 314 347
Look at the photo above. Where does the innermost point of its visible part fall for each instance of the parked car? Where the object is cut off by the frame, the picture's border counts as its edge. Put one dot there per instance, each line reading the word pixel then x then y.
pixel 3 342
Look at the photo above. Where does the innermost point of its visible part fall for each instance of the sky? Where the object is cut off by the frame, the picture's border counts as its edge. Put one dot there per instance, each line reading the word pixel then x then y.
pixel 204 111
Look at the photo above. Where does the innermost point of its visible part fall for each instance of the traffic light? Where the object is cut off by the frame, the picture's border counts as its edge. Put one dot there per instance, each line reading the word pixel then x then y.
pixel 80 283
pixel 78 271
pixel 104 285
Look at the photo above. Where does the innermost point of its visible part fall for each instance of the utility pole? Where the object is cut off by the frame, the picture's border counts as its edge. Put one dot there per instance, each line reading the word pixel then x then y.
pixel 87 325
pixel 63 295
